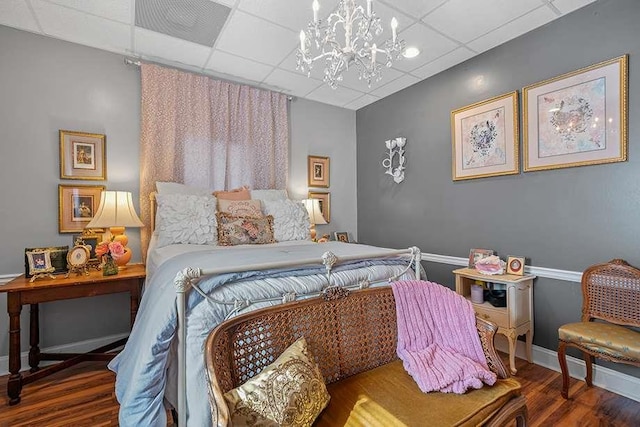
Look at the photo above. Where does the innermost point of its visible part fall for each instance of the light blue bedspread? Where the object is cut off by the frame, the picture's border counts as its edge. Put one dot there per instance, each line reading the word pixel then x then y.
pixel 142 366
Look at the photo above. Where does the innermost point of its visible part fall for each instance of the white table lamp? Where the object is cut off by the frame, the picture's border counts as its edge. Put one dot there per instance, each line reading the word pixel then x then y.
pixel 315 214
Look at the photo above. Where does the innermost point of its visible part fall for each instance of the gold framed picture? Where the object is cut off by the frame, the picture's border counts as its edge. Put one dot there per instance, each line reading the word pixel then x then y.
pixel 341 236
pixel 515 265
pixel 82 156
pixel 39 262
pixel 325 203
pixel 578 118
pixel 485 138
pixel 318 171
pixel 77 204
pixel 91 238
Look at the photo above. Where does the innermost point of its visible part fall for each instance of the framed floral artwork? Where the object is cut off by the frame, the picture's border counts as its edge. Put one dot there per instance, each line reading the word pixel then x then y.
pixel 485 138
pixel 325 203
pixel 578 118
pixel 82 156
pixel 476 255
pixel 77 204
pixel 318 171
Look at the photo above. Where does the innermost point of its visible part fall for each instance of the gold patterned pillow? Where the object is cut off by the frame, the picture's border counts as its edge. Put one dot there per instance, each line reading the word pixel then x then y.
pixel 240 230
pixel 246 208
pixel 289 392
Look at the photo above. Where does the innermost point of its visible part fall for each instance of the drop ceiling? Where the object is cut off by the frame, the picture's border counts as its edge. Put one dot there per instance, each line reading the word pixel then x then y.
pixel 257 42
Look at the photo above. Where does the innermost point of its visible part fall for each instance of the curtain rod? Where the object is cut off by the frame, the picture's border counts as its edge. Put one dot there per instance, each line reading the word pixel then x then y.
pixel 137 63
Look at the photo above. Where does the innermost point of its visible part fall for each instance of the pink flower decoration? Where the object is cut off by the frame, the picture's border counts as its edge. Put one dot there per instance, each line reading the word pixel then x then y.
pixel 116 249
pixel 102 249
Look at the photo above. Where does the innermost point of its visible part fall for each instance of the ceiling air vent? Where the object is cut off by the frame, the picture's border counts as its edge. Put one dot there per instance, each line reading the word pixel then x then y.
pixel 197 21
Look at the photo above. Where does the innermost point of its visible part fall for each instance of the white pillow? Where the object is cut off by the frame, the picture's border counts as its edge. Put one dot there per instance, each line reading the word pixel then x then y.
pixel 186 218
pixel 290 219
pixel 177 188
pixel 269 194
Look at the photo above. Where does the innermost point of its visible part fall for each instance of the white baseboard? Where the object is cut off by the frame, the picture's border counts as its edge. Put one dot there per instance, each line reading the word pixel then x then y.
pixel 76 347
pixel 608 379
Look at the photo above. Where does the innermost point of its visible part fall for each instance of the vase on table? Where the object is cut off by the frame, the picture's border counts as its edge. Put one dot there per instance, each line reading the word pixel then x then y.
pixel 109 268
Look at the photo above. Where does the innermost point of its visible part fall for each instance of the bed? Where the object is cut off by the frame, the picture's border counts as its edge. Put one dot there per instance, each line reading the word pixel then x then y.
pixel 192 287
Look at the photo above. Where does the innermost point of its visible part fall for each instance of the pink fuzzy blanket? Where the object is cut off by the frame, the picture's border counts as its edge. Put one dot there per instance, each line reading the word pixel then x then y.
pixel 437 338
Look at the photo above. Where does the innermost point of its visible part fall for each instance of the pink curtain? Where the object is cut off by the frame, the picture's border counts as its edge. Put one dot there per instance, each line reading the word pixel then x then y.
pixel 209 133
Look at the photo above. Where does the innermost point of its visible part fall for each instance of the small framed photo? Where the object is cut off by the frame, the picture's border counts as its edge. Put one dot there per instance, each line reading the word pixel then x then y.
pixel 82 156
pixel 325 203
pixel 515 265
pixel 57 255
pixel 77 205
pixel 341 236
pixel 318 171
pixel 39 262
pixel 91 239
pixel 477 254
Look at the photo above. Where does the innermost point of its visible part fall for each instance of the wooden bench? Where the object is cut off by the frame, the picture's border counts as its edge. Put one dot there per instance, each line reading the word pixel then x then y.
pixel 353 339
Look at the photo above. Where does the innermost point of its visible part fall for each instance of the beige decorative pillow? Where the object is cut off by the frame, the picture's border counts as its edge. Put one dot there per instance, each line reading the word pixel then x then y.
pixel 240 230
pixel 247 208
pixel 289 392
pixel 241 193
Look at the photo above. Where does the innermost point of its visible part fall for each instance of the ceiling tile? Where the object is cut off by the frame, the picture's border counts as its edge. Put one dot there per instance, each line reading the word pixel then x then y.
pixel 431 44
pixel 416 8
pixel 513 29
pixel 235 66
pixel 229 3
pixel 444 62
pixel 152 44
pixel 350 79
pixel 69 24
pixel 256 39
pixel 339 97
pixel 566 6
pixel 396 85
pixel 294 15
pixel 118 10
pixel 361 102
pixel 465 20
pixel 292 83
pixel 16 13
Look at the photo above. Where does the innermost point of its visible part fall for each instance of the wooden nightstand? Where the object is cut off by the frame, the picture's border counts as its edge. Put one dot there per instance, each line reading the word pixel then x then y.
pixel 513 320
pixel 21 292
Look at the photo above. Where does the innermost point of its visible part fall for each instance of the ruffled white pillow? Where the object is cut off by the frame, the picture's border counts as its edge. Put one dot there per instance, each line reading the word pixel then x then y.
pixel 186 218
pixel 290 219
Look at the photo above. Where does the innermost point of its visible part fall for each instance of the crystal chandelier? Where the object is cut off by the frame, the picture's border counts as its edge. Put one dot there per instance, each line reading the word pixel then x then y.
pixel 359 27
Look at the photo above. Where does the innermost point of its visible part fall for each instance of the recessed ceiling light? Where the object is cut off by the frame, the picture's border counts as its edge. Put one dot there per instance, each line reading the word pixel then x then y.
pixel 411 52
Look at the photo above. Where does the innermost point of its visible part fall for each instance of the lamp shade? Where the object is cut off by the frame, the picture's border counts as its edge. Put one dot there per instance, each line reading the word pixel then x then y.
pixel 315 214
pixel 115 210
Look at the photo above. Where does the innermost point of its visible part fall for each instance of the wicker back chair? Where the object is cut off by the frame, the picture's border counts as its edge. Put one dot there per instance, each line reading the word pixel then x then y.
pixel 346 334
pixel 611 293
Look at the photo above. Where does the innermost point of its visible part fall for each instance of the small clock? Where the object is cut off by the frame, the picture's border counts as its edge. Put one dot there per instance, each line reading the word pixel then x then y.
pixel 78 258
pixel 515 265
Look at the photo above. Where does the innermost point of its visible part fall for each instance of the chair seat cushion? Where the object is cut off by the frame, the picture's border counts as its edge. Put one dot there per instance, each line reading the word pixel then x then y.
pixel 606 338
pixel 388 396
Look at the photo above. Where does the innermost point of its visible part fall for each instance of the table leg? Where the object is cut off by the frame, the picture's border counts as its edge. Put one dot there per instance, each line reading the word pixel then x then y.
pixel 14 385
pixel 512 338
pixel 135 300
pixel 529 338
pixel 34 337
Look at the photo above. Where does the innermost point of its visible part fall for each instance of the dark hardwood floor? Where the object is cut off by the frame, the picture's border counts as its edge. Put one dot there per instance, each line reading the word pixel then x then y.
pixel 83 396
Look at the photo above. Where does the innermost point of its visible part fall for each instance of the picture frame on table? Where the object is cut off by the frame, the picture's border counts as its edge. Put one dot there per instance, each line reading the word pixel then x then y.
pixel 325 203
pixel 515 265
pixel 318 171
pixel 77 204
pixel 341 236
pixel 485 138
pixel 578 118
pixel 477 254
pixel 39 262
pixel 57 255
pixel 91 238
pixel 82 155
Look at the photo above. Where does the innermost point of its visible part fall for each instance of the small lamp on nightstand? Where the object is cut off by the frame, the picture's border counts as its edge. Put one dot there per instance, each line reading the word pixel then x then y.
pixel 315 215
pixel 116 212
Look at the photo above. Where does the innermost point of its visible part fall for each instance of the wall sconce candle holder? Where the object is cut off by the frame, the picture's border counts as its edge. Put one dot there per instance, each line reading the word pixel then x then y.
pixel 395 146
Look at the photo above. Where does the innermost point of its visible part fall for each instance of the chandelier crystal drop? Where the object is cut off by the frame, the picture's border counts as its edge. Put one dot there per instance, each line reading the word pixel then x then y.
pixel 359 27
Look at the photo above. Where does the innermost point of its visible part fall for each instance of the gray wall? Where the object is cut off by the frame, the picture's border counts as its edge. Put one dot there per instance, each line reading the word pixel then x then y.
pixel 47 85
pixel 566 219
